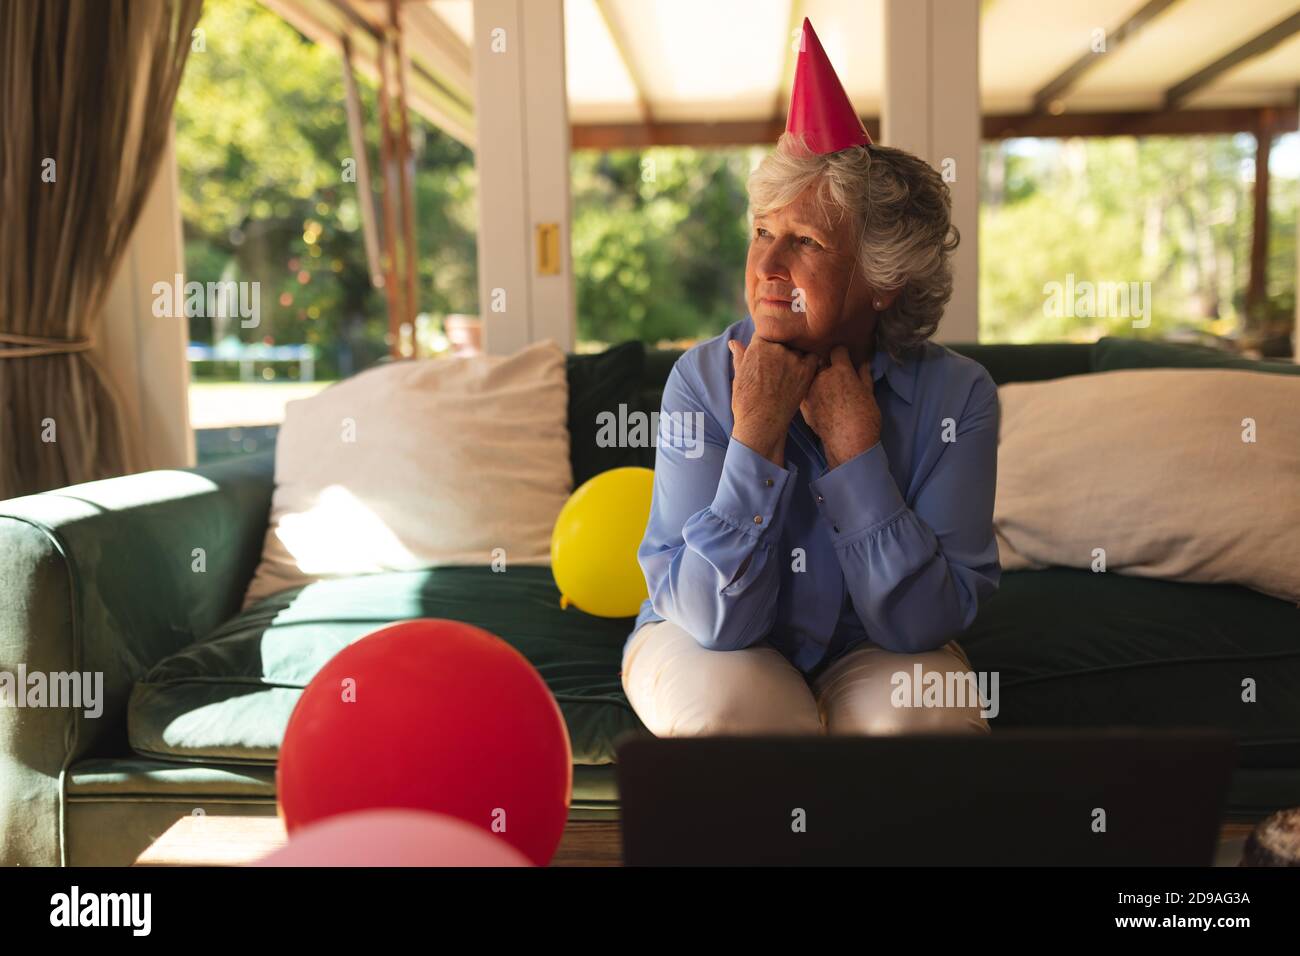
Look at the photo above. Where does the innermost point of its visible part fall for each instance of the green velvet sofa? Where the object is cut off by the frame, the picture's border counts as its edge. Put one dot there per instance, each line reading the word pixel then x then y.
pixel 109 577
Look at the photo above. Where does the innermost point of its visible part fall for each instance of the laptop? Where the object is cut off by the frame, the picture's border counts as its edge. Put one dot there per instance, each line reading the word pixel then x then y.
pixel 1032 797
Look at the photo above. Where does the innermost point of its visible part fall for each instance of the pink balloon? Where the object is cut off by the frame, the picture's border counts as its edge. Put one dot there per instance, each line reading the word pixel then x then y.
pixel 394 838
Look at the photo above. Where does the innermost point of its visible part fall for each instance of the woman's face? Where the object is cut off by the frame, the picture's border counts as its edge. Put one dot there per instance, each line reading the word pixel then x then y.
pixel 801 281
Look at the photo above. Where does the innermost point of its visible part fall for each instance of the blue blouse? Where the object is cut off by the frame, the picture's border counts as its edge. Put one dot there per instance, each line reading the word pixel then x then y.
pixel 895 545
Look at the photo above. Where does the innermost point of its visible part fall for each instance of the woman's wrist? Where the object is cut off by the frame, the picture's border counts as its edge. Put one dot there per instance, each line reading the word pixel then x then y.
pixel 762 441
pixel 838 451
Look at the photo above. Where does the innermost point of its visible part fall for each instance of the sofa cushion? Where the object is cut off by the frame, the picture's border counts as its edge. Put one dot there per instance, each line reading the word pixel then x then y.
pixel 1078 649
pixel 1172 473
pixel 1071 648
pixel 228 698
pixel 1111 353
pixel 420 464
pixel 601 383
pixel 1028 363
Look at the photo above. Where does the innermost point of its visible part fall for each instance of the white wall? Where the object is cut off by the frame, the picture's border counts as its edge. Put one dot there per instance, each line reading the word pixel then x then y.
pixel 931 108
pixel 144 356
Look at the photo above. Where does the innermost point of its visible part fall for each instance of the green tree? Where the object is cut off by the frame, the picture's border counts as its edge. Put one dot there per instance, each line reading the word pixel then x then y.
pixel 659 242
pixel 1172 211
pixel 261 140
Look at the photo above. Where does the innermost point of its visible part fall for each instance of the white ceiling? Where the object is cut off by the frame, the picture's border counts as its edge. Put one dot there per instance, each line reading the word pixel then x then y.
pixel 727 59
pixel 1190 35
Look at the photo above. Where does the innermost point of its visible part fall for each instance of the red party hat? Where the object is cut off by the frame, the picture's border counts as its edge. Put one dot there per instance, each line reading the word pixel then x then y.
pixel 819 107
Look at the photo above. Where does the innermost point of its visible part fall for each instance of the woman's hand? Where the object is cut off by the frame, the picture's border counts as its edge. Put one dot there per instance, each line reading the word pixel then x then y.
pixel 771 382
pixel 841 408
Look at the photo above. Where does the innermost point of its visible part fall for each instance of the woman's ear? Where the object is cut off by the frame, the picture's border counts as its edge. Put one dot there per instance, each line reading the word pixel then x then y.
pixel 880 301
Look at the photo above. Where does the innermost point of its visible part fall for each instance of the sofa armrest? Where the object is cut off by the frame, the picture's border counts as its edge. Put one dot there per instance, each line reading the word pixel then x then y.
pixel 105 579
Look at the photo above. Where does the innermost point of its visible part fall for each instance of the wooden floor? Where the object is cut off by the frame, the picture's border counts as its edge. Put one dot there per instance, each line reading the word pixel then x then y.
pixel 240 840
pixel 235 841
pixel 588 843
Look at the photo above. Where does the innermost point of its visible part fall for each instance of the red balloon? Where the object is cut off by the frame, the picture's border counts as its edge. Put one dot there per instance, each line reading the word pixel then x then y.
pixel 394 838
pixel 431 715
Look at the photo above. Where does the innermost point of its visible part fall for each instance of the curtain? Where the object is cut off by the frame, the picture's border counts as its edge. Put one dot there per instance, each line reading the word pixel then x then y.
pixel 86 94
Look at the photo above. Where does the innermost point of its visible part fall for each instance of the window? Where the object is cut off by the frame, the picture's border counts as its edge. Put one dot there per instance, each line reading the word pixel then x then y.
pixel 1131 236
pixel 267 205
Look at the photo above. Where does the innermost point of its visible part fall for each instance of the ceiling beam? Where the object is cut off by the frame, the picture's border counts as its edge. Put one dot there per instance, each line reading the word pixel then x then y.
pixel 437 97
pixel 1257 286
pixel 1203 77
pixel 621 44
pixel 441 47
pixel 603 136
pixel 1138 123
pixel 1062 82
pixel 368 21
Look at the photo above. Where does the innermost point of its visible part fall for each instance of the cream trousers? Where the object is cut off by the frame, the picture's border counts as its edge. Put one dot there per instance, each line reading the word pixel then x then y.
pixel 680 689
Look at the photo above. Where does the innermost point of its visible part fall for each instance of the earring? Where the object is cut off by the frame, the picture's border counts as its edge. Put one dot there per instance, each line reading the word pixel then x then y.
pixel 878 304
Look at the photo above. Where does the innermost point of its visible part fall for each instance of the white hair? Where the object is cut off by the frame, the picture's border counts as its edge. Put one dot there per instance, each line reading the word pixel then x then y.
pixel 903 210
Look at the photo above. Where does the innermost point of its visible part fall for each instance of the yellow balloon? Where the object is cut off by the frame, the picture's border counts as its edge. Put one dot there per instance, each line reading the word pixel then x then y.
pixel 593 546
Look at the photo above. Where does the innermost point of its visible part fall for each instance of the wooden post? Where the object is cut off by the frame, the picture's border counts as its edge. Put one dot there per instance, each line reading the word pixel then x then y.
pixel 365 183
pixel 931 108
pixel 1257 289
pixel 525 272
pixel 392 289
pixel 405 173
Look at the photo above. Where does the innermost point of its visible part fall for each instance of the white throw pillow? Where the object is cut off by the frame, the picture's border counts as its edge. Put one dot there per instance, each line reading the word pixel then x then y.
pixel 418 464
pixel 1183 474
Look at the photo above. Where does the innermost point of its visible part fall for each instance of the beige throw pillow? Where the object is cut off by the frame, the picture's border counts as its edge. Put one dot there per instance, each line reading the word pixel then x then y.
pixel 1184 474
pixel 418 464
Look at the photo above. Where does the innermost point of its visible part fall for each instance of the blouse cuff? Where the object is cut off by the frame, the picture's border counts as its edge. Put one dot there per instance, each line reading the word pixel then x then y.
pixel 859 496
pixel 752 490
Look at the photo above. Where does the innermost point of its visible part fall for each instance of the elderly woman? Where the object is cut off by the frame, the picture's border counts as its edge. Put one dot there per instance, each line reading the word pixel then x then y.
pixel 837 530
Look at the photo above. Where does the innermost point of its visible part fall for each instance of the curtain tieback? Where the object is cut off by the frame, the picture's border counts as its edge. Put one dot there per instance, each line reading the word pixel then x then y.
pixel 13 345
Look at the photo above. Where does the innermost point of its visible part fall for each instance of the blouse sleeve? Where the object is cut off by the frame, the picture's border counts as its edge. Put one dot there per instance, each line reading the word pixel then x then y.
pixel 916 575
pixel 715 519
